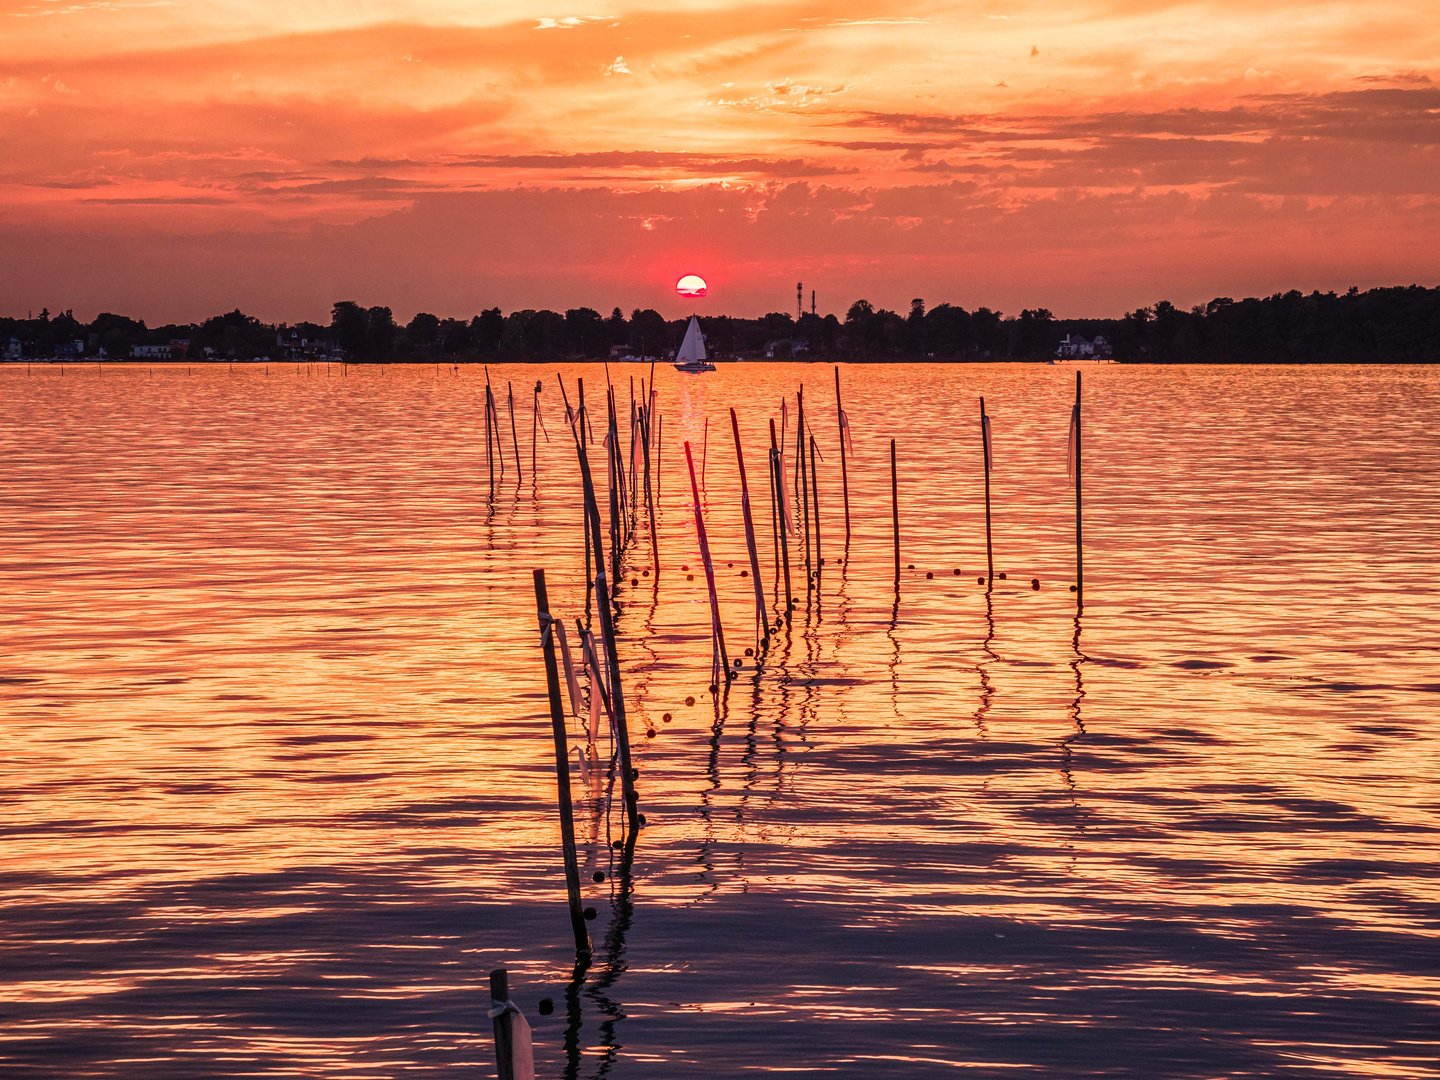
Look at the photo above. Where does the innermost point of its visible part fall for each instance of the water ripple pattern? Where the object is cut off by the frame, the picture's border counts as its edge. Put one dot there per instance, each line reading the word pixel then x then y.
pixel 279 786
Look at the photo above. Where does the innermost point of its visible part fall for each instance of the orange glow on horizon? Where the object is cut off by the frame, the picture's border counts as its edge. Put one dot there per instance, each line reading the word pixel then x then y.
pixel 173 160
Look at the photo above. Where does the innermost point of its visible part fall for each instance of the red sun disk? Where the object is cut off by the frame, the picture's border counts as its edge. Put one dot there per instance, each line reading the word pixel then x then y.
pixel 691 285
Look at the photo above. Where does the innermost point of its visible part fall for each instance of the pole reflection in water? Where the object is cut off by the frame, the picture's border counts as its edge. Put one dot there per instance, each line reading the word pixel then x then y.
pixel 280 782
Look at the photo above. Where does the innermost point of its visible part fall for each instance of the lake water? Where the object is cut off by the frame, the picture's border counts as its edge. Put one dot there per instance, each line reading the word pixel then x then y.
pixel 279 787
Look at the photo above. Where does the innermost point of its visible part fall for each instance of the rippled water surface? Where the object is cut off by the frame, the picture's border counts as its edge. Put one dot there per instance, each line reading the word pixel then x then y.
pixel 279 786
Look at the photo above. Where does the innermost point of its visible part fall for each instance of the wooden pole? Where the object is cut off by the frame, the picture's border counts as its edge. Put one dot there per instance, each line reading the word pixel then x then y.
pixel 815 506
pixel 1079 549
pixel 803 480
pixel 844 474
pixel 562 767
pixel 489 460
pixel 617 700
pixel 514 1054
pixel 607 628
pixel 985 446
pixel 777 470
pixel 612 460
pixel 514 439
pixel 704 452
pixel 762 619
pixel 895 512
pixel 716 630
pixel 534 422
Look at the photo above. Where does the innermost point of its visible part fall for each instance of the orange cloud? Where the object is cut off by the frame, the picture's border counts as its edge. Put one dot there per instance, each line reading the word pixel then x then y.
pixel 1212 146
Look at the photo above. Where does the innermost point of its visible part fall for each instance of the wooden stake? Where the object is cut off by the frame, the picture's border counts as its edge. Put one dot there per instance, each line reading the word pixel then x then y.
pixel 762 618
pixel 514 439
pixel 895 512
pixel 514 1054
pixel 802 480
pixel 985 446
pixel 777 470
pixel 844 474
pixel 716 631
pixel 562 767
pixel 1079 548
pixel 815 506
pixel 607 628
pixel 489 460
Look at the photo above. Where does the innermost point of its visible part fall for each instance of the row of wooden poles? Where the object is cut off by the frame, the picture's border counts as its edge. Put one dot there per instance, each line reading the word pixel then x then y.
pixel 625 489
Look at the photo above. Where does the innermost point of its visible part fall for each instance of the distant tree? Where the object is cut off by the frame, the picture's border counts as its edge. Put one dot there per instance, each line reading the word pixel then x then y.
pixel 586 333
pixel 454 337
pixel 379 332
pixel 350 324
pixel 423 331
pixel 617 328
pixel 649 334
pixel 485 330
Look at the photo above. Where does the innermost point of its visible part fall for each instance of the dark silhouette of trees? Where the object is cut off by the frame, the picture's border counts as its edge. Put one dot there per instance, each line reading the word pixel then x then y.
pixel 1385 325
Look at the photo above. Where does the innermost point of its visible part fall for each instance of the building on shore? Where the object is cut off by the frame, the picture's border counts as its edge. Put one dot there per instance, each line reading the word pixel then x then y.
pixel 1075 347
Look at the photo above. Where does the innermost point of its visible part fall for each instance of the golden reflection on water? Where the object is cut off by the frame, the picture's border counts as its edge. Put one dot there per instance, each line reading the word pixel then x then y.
pixel 280 787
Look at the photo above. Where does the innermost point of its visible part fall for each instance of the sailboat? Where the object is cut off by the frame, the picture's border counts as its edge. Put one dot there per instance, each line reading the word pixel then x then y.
pixel 691 356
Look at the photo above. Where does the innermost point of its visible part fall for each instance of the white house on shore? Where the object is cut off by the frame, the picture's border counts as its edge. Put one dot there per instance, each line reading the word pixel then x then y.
pixel 1075 347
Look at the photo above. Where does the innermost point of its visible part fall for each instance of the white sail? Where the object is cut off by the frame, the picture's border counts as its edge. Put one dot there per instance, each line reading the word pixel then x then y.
pixel 693 347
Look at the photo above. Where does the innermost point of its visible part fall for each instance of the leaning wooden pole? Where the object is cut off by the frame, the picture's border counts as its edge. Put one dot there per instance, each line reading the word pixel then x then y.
pixel 985 446
pixel 562 765
pixel 895 512
pixel 777 480
pixel 844 475
pixel 1079 547
pixel 719 659
pixel 762 618
pixel 607 628
pixel 514 439
pixel 802 478
pixel 489 458
pixel 815 508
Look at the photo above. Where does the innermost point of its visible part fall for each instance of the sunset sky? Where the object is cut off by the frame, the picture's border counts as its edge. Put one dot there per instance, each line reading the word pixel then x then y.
pixel 172 158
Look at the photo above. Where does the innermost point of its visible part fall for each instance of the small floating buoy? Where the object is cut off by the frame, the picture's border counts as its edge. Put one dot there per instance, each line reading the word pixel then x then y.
pixel 634 582
pixel 1072 588
pixel 749 652
pixel 649 733
pixel 1001 576
pixel 730 564
pixel 666 718
pixel 689 577
pixel 979 581
pixel 598 876
pixel 713 688
pixel 739 662
pixel 644 573
pixel 684 568
pixel 634 774
pixel 617 845
pixel 929 574
pixel 546 1006
pixel 957 571
pixel 1035 583
pixel 910 566
pixel 590 912
pixel 689 701
pixel 640 818
pixel 744 573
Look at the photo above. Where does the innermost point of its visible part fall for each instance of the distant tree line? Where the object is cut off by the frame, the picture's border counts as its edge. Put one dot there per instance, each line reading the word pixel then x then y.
pixel 1387 325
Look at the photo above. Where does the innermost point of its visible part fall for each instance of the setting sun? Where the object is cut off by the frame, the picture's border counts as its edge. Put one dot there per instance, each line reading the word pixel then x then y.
pixel 691 285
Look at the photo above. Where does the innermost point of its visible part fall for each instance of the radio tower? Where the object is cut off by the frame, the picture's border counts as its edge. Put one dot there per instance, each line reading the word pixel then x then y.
pixel 799 300
pixel 812 301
